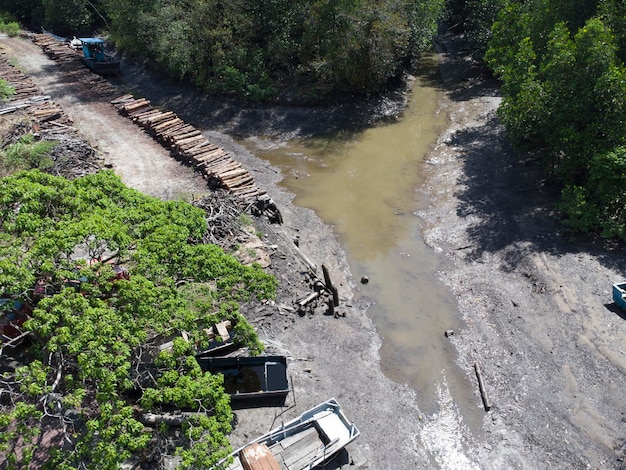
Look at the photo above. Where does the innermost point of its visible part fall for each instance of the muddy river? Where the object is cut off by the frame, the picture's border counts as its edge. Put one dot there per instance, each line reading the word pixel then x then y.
pixel 365 185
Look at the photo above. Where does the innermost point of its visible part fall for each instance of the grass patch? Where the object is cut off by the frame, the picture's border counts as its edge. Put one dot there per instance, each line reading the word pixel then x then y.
pixel 26 154
pixel 6 90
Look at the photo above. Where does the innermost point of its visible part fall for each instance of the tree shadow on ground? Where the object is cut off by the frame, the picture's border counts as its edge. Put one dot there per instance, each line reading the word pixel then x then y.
pixel 514 208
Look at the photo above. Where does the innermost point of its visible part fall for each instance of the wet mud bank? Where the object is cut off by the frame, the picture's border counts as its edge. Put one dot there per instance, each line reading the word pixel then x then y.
pixel 536 301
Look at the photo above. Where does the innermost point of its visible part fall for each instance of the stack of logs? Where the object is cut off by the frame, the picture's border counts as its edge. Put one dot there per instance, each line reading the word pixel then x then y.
pixel 45 112
pixel 184 141
pixel 189 145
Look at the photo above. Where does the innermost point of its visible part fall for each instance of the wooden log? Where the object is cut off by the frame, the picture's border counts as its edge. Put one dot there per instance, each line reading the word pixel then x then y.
pixel 306 260
pixel 184 127
pixel 188 142
pixel 329 285
pixel 153 121
pixel 222 167
pixel 140 110
pixel 201 148
pixel 167 124
pixel 238 182
pixel 167 131
pixel 481 387
pixel 209 155
pixel 120 100
pixel 309 298
pixel 182 138
pixel 210 166
pixel 144 116
pixel 233 173
pixel 133 106
pixel 164 134
pixel 250 192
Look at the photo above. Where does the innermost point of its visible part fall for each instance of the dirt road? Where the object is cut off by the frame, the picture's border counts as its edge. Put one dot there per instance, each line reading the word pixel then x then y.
pixel 142 163
pixel 537 305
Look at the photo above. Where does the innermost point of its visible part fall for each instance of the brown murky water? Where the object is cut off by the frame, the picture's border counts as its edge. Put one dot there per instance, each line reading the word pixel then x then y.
pixel 365 185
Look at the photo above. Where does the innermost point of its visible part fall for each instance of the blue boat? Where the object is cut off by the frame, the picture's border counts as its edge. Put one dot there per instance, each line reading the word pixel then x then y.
pixel 619 294
pixel 96 59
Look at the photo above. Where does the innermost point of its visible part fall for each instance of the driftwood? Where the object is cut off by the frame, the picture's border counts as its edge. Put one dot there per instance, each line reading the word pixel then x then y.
pixel 481 387
pixel 171 419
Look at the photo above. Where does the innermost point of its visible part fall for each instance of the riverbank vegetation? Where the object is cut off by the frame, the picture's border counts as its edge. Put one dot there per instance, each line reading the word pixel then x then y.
pixel 563 74
pixel 257 50
pixel 99 274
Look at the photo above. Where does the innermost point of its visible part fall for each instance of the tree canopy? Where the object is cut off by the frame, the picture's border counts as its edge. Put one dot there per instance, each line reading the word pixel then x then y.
pixel 564 85
pixel 78 397
pixel 256 49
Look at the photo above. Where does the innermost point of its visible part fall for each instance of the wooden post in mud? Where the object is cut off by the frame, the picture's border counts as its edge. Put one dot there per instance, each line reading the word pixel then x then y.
pixel 481 387
pixel 329 285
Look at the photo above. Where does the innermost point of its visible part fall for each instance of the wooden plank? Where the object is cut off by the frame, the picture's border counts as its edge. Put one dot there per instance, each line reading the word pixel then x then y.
pixel 258 457
pixel 222 330
pixel 307 434
pixel 302 449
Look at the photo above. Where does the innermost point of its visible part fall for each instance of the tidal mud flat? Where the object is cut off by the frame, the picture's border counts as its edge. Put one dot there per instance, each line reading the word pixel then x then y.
pixel 536 304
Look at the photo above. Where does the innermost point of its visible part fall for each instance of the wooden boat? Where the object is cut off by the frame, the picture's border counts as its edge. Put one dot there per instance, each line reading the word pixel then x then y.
pixel 619 294
pixel 250 378
pixel 303 443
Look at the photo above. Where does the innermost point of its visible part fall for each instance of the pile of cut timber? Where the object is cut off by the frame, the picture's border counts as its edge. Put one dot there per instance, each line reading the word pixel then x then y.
pixel 185 142
pixel 27 97
pixel 55 49
pixel 189 145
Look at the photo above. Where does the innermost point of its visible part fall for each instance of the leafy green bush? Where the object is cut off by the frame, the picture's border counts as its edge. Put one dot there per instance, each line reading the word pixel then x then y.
pixel 6 90
pixel 11 29
pixel 564 95
pixel 95 329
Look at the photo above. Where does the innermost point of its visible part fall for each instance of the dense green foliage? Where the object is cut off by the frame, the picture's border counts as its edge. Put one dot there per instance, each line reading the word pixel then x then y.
pixel 60 240
pixel 564 84
pixel 474 18
pixel 258 49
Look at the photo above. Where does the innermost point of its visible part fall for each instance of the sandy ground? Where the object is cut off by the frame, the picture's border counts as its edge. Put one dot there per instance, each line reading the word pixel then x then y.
pixel 536 304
